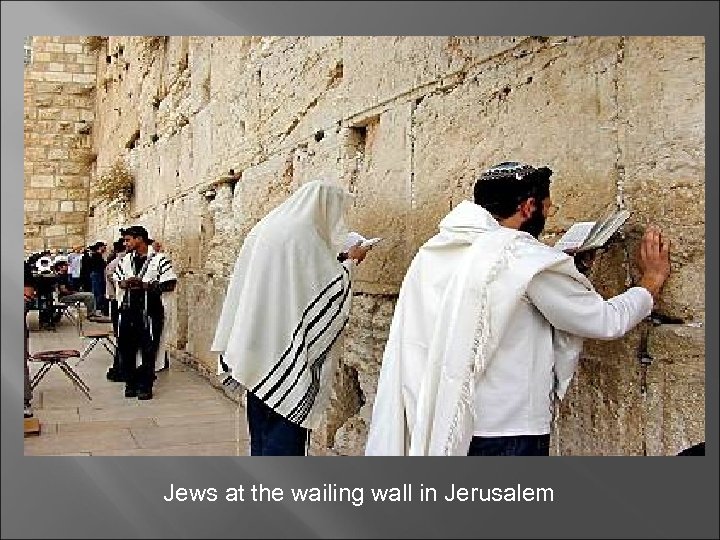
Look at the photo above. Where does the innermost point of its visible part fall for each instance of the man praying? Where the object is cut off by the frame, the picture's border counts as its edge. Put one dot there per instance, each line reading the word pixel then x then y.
pixel 489 324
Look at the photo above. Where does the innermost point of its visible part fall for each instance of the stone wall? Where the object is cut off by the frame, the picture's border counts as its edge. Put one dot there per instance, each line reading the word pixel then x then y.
pixel 219 130
pixel 59 90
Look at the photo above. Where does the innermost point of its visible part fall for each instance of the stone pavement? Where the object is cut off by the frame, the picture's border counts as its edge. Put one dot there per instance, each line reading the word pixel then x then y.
pixel 186 417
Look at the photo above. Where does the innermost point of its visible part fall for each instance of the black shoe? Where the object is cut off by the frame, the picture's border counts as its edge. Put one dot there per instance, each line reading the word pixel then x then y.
pixel 130 392
pixel 144 394
pixel 114 376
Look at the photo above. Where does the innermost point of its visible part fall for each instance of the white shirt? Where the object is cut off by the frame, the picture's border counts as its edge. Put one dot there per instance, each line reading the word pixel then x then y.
pixel 514 395
pixel 74 262
pixel 110 285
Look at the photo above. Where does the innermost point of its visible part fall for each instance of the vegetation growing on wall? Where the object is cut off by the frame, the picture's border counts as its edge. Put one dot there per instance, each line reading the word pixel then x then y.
pixel 115 187
pixel 95 43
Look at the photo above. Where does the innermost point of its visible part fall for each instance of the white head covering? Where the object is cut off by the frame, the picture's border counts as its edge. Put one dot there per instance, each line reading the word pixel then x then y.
pixel 287 302
pixel 44 264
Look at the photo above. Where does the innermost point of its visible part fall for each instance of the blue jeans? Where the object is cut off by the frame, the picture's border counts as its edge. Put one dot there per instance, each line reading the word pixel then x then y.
pixel 517 445
pixel 271 434
pixel 97 279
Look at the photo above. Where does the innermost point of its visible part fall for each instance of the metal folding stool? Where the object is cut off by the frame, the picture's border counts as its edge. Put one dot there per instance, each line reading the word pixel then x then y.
pixel 95 337
pixel 58 358
pixel 65 310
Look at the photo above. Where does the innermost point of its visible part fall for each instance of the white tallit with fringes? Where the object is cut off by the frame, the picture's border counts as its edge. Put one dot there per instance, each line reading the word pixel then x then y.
pixel 453 308
pixel 287 303
pixel 158 267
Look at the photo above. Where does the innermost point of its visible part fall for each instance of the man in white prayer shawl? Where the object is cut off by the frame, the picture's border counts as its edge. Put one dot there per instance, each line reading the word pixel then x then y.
pixel 489 324
pixel 287 303
pixel 143 278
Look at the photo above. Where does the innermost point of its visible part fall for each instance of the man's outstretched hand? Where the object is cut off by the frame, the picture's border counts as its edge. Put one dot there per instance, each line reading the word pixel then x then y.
pixel 653 258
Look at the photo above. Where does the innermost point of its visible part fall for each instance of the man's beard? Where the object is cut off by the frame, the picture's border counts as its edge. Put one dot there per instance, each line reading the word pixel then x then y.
pixel 535 224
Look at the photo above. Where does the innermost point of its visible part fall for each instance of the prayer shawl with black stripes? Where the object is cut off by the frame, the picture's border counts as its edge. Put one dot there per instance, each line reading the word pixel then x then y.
pixel 287 303
pixel 157 267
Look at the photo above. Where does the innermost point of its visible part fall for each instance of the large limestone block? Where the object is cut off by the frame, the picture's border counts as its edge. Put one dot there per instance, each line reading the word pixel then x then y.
pixel 552 106
pixel 344 429
pixel 299 89
pixel 199 64
pixel 261 188
pixel 166 183
pixel 144 163
pixel 663 105
pixel 202 305
pixel 676 389
pixel 204 131
pixel 180 232
pixel 185 178
pixel 365 338
pixel 602 413
pixel 234 127
pixel 230 59
pixel 610 270
pixel 683 295
pixel 320 159
pixel 379 170
pixel 663 102
pixel 379 69
pixel 345 401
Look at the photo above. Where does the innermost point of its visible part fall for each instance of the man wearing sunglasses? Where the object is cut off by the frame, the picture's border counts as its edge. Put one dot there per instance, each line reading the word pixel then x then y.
pixel 489 324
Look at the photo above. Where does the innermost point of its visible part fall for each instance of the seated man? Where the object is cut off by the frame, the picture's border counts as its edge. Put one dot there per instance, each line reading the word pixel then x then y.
pixel 45 286
pixel 68 295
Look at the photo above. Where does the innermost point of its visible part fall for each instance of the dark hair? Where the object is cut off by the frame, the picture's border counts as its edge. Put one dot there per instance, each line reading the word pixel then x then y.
pixel 59 265
pixel 137 231
pixel 118 245
pixel 502 188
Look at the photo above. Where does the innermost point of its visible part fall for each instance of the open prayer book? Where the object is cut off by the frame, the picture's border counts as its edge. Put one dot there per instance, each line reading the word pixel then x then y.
pixel 587 235
pixel 353 238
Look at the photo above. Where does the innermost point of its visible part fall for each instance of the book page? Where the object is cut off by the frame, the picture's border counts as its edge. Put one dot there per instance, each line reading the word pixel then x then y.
pixel 352 239
pixel 575 236
pixel 370 243
pixel 609 227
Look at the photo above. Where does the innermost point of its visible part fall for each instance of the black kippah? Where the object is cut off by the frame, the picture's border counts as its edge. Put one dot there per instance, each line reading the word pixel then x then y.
pixel 502 187
pixel 514 170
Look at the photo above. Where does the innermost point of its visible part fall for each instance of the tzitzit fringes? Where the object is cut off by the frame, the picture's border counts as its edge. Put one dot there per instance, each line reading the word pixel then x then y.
pixel 478 352
pixel 554 427
pixel 482 334
pixel 464 404
pixel 237 428
pixel 467 394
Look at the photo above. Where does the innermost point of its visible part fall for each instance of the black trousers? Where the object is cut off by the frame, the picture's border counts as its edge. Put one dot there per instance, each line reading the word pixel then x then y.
pixel 46 311
pixel 513 445
pixel 134 337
